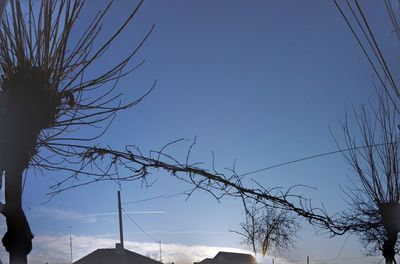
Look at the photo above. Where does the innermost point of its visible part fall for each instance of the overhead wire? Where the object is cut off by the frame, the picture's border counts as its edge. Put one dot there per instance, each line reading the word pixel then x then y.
pixel 140 228
pixel 393 19
pixel 310 157
pixel 381 58
pixel 165 196
pixel 361 45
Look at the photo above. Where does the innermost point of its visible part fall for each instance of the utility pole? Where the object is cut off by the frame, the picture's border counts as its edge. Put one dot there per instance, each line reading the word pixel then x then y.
pixel 70 242
pixel 70 245
pixel 121 232
pixel 159 242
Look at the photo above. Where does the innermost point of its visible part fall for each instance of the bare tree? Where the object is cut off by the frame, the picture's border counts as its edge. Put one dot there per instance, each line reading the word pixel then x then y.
pixel 268 229
pixel 45 95
pixel 374 198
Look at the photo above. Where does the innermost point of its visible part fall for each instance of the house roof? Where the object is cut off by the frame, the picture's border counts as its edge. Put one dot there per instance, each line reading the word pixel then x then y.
pixel 234 258
pixel 229 258
pixel 205 261
pixel 115 256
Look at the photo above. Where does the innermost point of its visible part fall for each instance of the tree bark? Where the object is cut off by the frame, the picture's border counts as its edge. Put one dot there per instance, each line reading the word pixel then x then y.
pixel 18 238
pixel 389 245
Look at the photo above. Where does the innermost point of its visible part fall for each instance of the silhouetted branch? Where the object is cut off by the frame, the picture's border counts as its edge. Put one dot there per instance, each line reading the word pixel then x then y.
pixel 108 163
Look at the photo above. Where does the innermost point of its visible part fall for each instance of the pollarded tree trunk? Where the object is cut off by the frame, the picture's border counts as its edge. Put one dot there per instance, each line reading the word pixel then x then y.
pixel 388 250
pixel 18 238
pixel 18 143
pixel 390 213
pixel 28 107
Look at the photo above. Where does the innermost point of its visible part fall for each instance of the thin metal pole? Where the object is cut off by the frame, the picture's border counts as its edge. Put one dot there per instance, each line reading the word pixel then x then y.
pixel 160 251
pixel 121 232
pixel 70 245
pixel 70 242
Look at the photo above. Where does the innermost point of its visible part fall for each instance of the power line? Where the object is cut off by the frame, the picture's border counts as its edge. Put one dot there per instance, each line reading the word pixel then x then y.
pixel 310 157
pixel 290 162
pixel 165 196
pixel 341 249
pixel 147 234
pixel 138 226
pixel 370 38
pixel 145 200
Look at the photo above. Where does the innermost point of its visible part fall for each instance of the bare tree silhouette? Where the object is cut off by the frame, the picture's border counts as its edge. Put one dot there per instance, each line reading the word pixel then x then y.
pixel 374 199
pixel 45 95
pixel 267 229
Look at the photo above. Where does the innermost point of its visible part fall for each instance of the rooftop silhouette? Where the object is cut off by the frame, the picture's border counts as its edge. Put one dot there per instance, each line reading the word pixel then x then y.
pixel 229 257
pixel 115 255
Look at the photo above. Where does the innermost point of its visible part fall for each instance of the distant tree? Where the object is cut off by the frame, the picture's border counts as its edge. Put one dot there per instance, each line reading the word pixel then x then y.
pixel 267 229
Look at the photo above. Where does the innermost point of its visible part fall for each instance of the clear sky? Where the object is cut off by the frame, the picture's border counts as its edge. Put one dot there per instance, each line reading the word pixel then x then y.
pixel 257 82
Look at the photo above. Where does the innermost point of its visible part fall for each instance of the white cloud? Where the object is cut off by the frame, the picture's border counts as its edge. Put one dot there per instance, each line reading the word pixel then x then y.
pixel 56 249
pixel 60 214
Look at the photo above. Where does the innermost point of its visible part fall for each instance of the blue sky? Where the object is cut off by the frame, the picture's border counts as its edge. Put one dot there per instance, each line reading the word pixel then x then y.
pixel 258 83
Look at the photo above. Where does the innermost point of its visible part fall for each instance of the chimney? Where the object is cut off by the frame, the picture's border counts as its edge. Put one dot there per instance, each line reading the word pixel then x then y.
pixel 119 248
